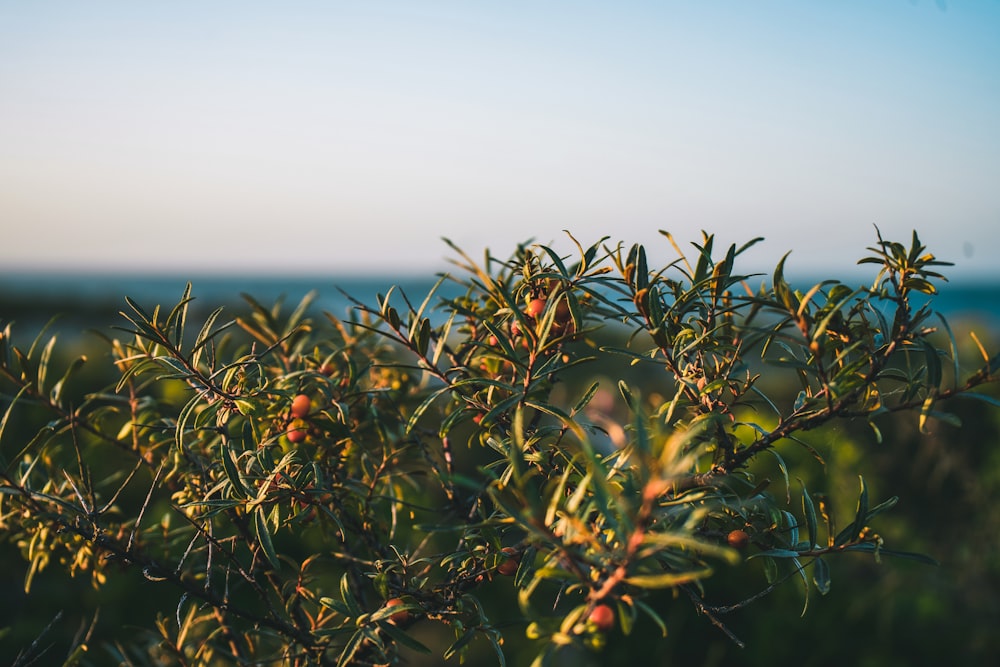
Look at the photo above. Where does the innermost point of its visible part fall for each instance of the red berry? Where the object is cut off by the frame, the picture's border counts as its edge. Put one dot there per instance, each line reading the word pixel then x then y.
pixel 603 617
pixel 512 560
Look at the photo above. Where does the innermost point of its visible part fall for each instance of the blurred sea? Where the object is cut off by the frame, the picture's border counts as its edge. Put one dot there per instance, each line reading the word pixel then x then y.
pixel 94 299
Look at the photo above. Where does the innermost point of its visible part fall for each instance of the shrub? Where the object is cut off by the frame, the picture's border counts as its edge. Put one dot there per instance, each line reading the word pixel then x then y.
pixel 572 435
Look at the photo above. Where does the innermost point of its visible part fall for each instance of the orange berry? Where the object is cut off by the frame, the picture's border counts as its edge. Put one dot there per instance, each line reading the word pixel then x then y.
pixel 738 539
pixel 297 433
pixel 301 405
pixel 535 307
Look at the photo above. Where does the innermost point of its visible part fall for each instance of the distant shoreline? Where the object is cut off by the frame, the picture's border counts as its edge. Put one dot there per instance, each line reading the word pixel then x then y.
pixel 94 297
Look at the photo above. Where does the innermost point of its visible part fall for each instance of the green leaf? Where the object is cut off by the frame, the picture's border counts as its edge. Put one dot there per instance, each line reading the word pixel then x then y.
pixel 336 605
pixel 430 294
pixel 810 512
pixel 652 613
pixel 883 506
pixel 43 363
pixel 460 643
pixel 875 429
pixel 860 517
pixel 424 405
pixel 56 393
pixel 186 412
pixel 985 398
pixel 264 539
pixel 925 411
pixel 805 585
pixel 775 553
pixel 784 472
pixel 626 394
pixel 793 527
pixel 553 411
pixel 667 579
pixel 781 288
pixel 946 417
pixel 821 576
pixel 555 260
pixel 232 471
pixel 10 409
pixel 175 365
pixel 501 408
pixel 495 641
pixel 869 547
pixel 178 317
pixel 353 644
pixel 919 285
pixel 348 596
pixel 585 399
pixel 206 335
pixel 641 278
pixel 401 637
pixel 933 365
pixel 423 337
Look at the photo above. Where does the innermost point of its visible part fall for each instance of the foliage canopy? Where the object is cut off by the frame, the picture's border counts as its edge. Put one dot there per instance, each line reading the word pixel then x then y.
pixel 575 433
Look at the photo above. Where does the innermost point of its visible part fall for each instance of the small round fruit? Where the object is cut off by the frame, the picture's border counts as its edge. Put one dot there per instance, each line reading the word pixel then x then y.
pixel 738 539
pixel 564 317
pixel 535 307
pixel 297 433
pixel 399 617
pixel 512 560
pixel 301 405
pixel 327 369
pixel 603 617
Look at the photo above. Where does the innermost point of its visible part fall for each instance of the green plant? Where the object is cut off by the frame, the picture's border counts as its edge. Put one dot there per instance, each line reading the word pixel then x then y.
pixel 318 491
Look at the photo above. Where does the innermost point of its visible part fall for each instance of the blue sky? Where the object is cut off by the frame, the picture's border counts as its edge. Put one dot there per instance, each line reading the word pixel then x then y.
pixel 338 137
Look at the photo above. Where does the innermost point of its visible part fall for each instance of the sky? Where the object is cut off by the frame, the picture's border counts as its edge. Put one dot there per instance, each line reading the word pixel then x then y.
pixel 277 138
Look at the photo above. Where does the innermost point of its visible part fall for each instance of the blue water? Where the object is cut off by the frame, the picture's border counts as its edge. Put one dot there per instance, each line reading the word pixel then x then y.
pixel 208 291
pixel 978 300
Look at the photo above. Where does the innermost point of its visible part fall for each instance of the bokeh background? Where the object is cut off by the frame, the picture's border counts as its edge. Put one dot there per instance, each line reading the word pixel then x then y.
pixel 275 148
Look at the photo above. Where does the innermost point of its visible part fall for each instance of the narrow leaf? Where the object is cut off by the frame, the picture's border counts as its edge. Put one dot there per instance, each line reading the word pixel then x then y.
pixel 264 538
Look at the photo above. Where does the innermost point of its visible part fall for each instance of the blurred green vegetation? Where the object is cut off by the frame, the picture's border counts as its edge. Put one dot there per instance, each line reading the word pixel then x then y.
pixel 894 613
